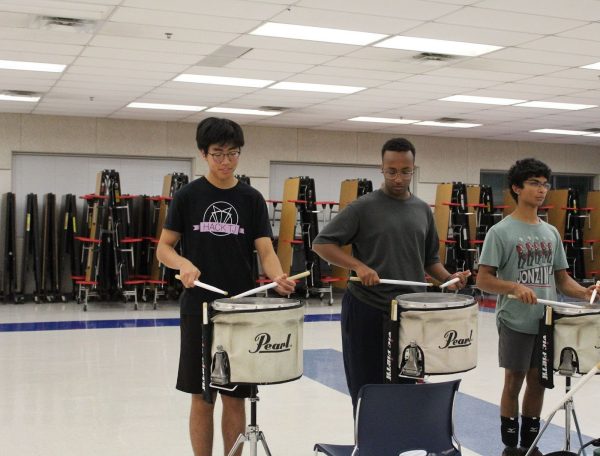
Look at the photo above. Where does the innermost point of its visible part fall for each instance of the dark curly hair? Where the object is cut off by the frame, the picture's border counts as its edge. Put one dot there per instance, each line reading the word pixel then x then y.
pixel 213 130
pixel 523 170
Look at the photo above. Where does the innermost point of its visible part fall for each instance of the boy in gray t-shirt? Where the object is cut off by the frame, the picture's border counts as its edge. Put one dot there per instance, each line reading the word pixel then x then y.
pixel 523 256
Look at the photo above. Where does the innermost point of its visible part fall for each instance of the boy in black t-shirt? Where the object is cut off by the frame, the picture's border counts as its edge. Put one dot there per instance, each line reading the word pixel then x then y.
pixel 220 222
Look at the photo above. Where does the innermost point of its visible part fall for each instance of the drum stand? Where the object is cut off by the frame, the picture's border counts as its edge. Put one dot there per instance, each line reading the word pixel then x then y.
pixel 567 370
pixel 253 434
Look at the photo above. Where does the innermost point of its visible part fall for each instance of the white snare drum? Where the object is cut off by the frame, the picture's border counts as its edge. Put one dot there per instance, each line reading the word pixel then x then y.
pixel 443 326
pixel 262 338
pixel 578 329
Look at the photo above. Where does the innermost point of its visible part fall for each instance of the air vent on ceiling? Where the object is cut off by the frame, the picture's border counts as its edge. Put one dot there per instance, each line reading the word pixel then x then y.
pixel 273 108
pixel 21 93
pixel 433 57
pixel 64 24
pixel 224 55
pixel 450 120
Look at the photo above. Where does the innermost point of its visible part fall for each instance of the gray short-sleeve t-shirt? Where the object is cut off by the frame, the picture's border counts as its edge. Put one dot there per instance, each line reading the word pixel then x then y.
pixel 396 238
pixel 529 255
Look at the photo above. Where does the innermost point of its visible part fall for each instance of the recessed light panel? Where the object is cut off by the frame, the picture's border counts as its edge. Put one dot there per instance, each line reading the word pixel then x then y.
pixel 250 112
pixel 327 35
pixel 554 131
pixel 482 100
pixel 222 80
pixel 306 87
pixel 431 123
pixel 170 107
pixel 31 66
pixel 412 43
pixel 553 105
pixel 388 120
pixel 4 97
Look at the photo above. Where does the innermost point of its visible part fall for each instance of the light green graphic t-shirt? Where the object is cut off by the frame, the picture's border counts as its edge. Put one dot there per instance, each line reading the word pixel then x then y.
pixel 529 255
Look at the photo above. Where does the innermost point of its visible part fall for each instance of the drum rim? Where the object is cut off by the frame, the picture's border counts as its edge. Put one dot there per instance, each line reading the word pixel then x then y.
pixel 251 308
pixel 465 301
pixel 572 312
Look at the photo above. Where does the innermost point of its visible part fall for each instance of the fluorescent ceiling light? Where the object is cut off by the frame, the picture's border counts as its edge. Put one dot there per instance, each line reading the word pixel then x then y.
pixel 328 35
pixel 222 80
pixel 482 100
pixel 553 105
pixel 592 66
pixel 431 123
pixel 554 131
pixel 412 43
pixel 31 66
pixel 251 112
pixel 19 98
pixel 171 107
pixel 383 120
pixel 303 86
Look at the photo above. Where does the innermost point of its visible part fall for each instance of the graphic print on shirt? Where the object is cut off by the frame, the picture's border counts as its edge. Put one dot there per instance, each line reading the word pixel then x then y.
pixel 535 261
pixel 220 219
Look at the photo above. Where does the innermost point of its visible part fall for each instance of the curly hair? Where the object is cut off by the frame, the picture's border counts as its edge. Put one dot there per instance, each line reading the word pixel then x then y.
pixel 523 170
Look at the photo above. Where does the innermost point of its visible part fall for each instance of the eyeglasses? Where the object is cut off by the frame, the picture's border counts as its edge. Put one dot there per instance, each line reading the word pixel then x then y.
pixel 394 173
pixel 219 156
pixel 538 184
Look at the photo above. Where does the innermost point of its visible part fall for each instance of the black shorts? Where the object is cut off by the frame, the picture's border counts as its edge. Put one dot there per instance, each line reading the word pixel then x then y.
pixel 516 350
pixel 189 377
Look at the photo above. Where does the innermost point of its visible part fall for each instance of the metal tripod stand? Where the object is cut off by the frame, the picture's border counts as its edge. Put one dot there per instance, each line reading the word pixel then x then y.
pixel 566 369
pixel 253 434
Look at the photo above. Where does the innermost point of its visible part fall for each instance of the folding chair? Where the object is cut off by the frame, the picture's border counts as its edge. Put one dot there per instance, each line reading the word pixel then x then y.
pixel 392 419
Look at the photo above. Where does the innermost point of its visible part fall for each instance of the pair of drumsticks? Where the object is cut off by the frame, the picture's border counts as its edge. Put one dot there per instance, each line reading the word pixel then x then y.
pixel 306 273
pixel 245 293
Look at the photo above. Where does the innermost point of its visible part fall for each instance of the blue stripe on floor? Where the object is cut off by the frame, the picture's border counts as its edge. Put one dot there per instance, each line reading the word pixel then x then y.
pixel 88 324
pixel 123 323
pixel 477 422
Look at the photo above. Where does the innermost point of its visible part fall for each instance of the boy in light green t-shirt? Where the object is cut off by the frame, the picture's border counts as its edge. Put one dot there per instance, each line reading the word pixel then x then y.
pixel 523 256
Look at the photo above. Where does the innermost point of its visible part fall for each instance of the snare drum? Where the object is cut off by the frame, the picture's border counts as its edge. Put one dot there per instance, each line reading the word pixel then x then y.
pixel 578 329
pixel 262 338
pixel 443 326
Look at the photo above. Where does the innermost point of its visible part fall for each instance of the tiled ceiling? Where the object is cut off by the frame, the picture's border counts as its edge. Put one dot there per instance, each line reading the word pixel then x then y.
pixel 135 48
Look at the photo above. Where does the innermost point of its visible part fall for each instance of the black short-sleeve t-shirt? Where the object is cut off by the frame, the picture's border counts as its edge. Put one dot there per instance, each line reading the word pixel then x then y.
pixel 218 228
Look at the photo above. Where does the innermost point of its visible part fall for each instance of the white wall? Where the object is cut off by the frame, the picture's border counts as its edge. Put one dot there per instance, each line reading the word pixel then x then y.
pixel 439 159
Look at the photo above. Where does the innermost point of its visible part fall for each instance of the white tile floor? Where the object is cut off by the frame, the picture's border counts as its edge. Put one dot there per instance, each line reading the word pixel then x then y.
pixel 111 391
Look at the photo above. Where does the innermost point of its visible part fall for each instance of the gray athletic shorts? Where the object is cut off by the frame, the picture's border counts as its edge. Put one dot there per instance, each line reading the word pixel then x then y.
pixel 515 349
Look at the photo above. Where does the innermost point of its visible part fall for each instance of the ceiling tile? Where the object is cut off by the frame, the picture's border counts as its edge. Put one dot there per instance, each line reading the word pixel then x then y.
pixel 410 9
pixel 342 19
pixel 245 9
pixel 471 34
pixel 585 10
pixel 184 20
pixel 509 20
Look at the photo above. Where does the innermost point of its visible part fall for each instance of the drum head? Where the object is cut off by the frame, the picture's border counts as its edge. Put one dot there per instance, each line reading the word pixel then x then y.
pixel 419 301
pixel 253 303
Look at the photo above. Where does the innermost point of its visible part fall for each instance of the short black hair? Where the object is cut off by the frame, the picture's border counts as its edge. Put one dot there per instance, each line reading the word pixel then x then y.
pixel 214 130
pixel 398 145
pixel 523 170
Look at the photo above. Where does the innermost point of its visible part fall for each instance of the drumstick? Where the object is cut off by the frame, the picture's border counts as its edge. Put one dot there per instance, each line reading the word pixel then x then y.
pixel 593 298
pixel 396 282
pixel 269 286
pixel 452 281
pixel 551 303
pixel 205 286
